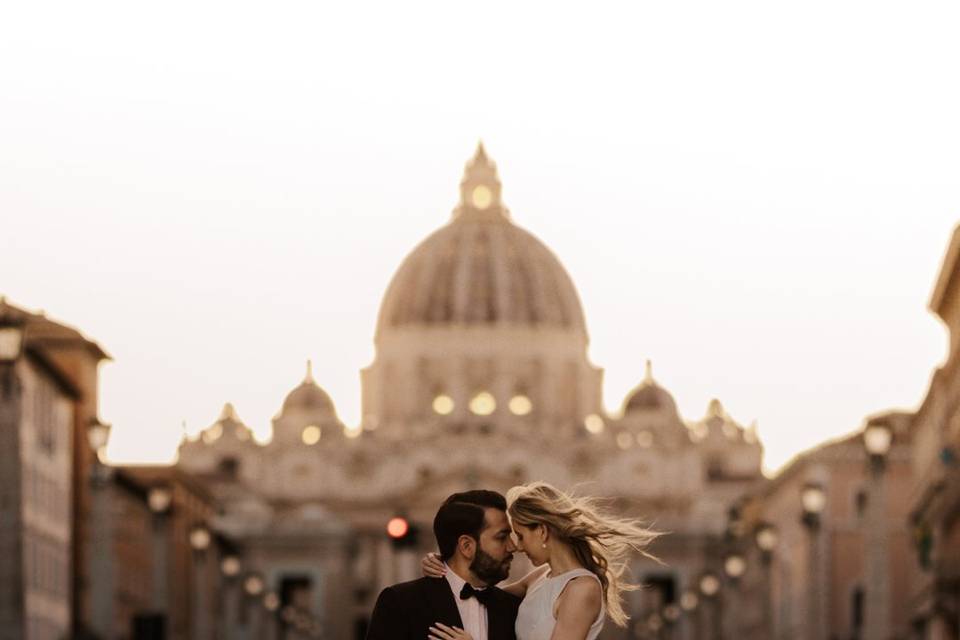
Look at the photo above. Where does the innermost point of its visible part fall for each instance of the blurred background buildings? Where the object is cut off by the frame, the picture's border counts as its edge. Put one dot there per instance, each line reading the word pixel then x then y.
pixel 480 379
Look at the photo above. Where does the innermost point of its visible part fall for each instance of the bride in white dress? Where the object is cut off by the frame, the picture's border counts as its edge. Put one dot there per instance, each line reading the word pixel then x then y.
pixel 581 555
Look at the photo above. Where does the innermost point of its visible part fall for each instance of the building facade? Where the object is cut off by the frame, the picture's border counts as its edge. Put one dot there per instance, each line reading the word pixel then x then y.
pixel 935 491
pixel 836 571
pixel 47 397
pixel 480 379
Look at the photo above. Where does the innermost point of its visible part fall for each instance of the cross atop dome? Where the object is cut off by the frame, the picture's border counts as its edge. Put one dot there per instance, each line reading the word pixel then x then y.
pixel 480 188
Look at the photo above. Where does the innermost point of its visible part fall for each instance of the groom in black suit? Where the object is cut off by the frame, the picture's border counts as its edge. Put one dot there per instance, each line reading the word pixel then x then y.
pixel 474 538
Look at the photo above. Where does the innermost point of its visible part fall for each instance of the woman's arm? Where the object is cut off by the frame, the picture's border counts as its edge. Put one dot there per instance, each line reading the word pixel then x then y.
pixel 578 606
pixel 519 588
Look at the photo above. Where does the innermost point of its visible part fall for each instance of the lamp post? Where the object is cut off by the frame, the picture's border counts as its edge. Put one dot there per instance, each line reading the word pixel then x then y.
pixel 200 539
pixel 814 499
pixel 259 625
pixel 230 567
pixel 159 500
pixel 877 440
pixel 101 535
pixel 709 585
pixel 689 602
pixel 766 537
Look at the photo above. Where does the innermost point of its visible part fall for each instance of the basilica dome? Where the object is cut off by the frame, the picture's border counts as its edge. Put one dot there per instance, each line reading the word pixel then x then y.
pixel 308 396
pixel 481 270
pixel 649 396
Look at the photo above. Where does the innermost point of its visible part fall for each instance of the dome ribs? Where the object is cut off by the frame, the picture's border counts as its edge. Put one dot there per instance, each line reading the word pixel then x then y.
pixel 481 269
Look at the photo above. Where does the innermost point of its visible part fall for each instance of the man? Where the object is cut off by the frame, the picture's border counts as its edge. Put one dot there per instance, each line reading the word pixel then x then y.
pixel 474 538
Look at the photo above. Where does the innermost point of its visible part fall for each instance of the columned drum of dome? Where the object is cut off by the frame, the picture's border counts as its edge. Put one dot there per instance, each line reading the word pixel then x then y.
pixel 480 306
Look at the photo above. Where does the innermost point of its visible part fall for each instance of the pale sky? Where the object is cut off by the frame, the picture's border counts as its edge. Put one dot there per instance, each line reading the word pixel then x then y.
pixel 755 195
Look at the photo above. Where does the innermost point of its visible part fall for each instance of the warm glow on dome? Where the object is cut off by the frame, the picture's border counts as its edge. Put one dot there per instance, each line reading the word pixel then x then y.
pixel 520 405
pixel 593 423
pixel 482 197
pixel 443 404
pixel 483 404
pixel 311 434
pixel 624 440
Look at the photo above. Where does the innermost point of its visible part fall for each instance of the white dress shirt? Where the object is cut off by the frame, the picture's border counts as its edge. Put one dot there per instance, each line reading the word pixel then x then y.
pixel 472 613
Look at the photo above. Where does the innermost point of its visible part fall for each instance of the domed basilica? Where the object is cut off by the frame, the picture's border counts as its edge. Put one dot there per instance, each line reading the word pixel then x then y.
pixel 480 379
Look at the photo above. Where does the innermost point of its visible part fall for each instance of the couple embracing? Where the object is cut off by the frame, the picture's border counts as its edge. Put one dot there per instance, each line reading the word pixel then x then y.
pixel 579 553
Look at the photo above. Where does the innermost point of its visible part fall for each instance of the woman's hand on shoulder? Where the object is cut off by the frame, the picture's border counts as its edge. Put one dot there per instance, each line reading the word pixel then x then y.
pixel 577 608
pixel 432 566
pixel 440 631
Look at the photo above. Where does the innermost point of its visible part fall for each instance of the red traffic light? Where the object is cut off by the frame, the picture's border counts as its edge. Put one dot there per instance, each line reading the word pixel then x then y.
pixel 398 527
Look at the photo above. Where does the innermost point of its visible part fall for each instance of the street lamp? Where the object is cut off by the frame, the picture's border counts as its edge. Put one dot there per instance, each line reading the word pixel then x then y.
pixel 253 585
pixel 98 434
pixel 11 339
pixel 159 499
pixel 877 441
pixel 709 584
pixel 200 539
pixel 766 537
pixel 689 600
pixel 813 499
pixel 734 565
pixel 230 566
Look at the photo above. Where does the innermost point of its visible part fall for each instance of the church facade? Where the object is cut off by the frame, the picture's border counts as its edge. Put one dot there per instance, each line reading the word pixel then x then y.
pixel 480 379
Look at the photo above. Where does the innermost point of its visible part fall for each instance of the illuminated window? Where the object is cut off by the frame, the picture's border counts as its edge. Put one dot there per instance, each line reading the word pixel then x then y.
pixel 482 197
pixel 443 404
pixel 311 434
pixel 624 440
pixel 593 423
pixel 520 405
pixel 645 439
pixel 483 404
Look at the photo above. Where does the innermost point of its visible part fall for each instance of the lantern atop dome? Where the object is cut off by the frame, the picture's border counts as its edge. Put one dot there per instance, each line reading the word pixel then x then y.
pixel 480 188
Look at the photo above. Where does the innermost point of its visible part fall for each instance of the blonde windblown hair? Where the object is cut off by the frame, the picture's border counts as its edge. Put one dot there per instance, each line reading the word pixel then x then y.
pixel 602 543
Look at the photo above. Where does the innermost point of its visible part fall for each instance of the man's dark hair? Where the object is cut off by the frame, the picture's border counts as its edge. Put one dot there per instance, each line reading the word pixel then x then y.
pixel 462 514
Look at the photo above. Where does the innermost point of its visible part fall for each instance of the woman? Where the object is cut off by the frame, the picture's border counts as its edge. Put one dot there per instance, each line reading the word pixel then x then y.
pixel 581 555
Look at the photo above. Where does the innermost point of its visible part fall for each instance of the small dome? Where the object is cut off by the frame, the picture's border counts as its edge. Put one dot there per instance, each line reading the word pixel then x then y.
pixel 228 425
pixel 481 269
pixel 649 396
pixel 308 396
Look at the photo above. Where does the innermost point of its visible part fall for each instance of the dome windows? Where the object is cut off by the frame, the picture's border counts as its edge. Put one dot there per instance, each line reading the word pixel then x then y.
pixel 483 404
pixel 443 404
pixel 593 423
pixel 311 434
pixel 520 405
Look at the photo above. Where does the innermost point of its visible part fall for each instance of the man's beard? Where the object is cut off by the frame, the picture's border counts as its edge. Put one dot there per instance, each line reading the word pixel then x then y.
pixel 489 569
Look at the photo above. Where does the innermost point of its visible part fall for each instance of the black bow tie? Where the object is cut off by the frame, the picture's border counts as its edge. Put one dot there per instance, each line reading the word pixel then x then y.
pixel 483 596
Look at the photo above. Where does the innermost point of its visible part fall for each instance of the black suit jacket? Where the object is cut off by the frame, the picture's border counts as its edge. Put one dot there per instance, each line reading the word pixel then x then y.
pixel 406 611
